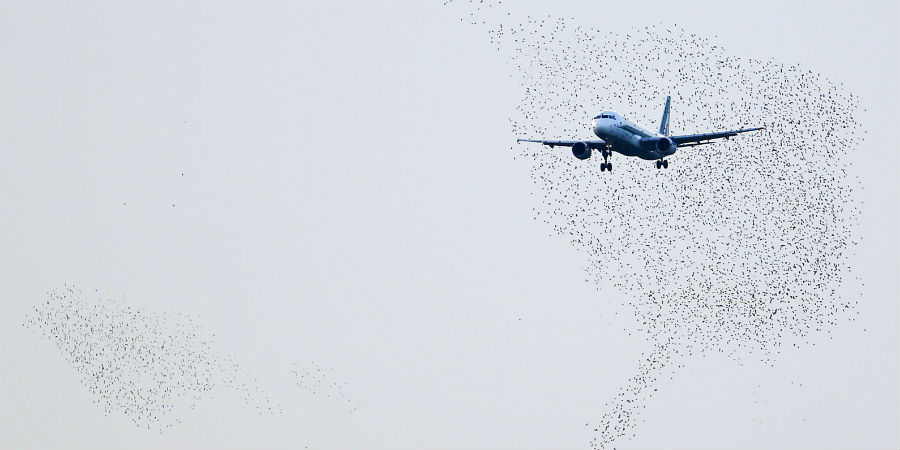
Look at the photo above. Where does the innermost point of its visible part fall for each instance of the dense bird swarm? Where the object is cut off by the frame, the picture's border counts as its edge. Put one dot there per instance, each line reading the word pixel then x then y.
pixel 739 247
pixel 143 364
pixel 319 380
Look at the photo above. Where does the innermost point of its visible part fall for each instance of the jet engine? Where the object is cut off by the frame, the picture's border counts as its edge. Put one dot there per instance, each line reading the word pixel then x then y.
pixel 665 146
pixel 581 150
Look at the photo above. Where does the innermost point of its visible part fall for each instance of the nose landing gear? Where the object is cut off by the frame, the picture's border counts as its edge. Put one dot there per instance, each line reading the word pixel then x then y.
pixel 662 163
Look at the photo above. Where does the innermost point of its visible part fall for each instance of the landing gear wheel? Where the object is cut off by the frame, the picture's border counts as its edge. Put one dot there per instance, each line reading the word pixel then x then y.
pixel 658 164
pixel 606 152
pixel 665 164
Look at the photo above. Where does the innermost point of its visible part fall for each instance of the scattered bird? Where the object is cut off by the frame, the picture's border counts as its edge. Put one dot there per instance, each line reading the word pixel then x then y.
pixel 319 380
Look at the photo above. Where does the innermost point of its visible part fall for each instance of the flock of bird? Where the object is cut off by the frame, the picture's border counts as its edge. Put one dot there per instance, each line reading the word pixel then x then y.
pixel 319 380
pixel 143 364
pixel 742 246
pixel 146 365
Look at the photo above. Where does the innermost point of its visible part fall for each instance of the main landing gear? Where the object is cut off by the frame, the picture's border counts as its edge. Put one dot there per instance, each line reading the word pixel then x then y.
pixel 606 152
pixel 662 164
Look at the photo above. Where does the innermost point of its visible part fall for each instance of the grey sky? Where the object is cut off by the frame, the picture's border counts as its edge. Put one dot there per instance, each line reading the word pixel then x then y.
pixel 347 198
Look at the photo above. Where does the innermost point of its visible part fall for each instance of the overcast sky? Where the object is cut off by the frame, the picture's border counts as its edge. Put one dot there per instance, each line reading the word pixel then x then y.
pixel 347 198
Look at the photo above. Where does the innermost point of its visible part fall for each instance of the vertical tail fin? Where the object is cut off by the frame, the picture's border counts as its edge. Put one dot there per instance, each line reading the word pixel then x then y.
pixel 664 124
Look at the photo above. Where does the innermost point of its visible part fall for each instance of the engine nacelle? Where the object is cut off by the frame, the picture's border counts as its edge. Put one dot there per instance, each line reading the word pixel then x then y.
pixel 581 150
pixel 665 146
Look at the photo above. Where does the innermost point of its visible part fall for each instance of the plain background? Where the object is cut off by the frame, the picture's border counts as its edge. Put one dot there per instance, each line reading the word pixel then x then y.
pixel 348 197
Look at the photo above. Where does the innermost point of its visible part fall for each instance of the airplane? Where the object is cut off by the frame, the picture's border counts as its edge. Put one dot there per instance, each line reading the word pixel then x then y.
pixel 617 134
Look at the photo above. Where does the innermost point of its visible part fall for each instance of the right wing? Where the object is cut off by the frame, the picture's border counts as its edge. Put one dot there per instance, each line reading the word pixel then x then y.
pixel 690 140
pixel 595 144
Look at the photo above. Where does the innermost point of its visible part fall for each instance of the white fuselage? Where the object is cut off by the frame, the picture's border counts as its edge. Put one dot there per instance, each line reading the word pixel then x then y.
pixel 630 139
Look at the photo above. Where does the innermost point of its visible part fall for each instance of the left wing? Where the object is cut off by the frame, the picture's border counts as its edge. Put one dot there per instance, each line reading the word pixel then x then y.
pixel 690 140
pixel 595 144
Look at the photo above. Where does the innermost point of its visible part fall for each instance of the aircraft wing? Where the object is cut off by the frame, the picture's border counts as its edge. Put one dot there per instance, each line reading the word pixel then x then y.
pixel 595 144
pixel 690 140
